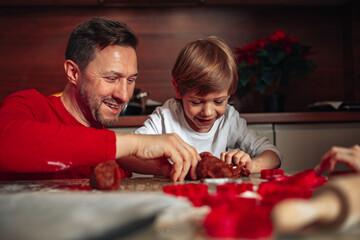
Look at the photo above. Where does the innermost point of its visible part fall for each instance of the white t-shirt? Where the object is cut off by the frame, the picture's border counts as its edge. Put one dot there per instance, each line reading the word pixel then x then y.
pixel 228 132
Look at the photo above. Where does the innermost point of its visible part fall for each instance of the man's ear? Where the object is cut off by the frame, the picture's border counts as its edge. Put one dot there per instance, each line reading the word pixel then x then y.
pixel 72 71
pixel 176 89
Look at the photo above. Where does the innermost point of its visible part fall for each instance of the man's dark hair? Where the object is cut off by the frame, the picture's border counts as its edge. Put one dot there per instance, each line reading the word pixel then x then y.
pixel 97 33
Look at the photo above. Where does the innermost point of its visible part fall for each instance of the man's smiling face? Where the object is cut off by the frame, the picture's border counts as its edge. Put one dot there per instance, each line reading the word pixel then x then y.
pixel 107 84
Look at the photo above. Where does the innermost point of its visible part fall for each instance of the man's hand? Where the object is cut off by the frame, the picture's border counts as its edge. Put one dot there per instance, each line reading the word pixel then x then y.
pixel 349 156
pixel 183 156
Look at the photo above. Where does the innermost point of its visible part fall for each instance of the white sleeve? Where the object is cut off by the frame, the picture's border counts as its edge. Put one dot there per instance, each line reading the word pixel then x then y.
pixel 250 142
pixel 152 125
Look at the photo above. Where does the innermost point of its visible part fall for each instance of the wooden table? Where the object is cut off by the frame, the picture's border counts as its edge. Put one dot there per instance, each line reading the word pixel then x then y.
pixel 134 184
pixel 140 187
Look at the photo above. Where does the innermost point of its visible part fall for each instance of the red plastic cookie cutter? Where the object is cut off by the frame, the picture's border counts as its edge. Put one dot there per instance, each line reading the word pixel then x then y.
pixel 243 219
pixel 186 189
pixel 193 191
pixel 306 179
pixel 234 188
pixel 270 173
pixel 274 192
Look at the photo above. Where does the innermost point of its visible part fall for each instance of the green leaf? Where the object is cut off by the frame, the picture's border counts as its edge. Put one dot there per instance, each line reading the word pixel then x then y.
pixel 306 69
pixel 244 76
pixel 241 65
pixel 267 77
pixel 276 55
pixel 298 77
pixel 266 65
pixel 261 53
pixel 311 65
pixel 260 85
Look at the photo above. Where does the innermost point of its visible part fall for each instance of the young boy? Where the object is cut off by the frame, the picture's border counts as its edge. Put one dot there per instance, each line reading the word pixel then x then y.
pixel 204 76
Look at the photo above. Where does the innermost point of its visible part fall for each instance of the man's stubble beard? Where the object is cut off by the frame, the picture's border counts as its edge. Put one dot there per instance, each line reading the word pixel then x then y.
pixel 92 105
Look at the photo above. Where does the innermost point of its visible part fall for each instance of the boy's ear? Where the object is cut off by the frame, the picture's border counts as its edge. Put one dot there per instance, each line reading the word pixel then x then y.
pixel 176 89
pixel 72 71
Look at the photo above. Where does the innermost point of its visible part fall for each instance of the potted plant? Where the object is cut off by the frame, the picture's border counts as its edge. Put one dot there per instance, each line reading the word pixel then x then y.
pixel 269 65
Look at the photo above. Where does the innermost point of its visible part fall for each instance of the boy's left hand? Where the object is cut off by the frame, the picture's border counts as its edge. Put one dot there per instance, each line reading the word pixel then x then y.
pixel 237 157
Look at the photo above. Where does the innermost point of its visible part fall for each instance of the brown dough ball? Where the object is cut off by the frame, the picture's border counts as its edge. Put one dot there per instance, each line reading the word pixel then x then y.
pixel 106 176
pixel 213 167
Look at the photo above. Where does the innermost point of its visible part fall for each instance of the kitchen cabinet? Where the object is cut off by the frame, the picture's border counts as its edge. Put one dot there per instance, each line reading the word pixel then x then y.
pixel 303 145
pixel 124 129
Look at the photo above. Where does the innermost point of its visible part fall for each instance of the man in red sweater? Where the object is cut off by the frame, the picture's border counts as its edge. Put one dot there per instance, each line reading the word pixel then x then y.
pixel 47 137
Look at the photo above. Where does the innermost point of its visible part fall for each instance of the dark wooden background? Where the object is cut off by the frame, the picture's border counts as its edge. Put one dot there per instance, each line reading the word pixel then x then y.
pixel 33 41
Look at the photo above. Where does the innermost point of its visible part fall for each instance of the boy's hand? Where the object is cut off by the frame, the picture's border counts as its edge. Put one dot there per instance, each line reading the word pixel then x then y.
pixel 237 157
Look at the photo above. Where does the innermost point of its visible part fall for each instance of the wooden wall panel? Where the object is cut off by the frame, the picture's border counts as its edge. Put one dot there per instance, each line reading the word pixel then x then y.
pixel 33 41
pixel 355 13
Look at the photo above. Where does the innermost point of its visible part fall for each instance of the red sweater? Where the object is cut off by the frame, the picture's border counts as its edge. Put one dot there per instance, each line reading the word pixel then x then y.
pixel 40 139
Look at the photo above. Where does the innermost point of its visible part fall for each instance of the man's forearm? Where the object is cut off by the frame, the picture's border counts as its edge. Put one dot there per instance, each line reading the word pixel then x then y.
pixel 125 144
pixel 159 167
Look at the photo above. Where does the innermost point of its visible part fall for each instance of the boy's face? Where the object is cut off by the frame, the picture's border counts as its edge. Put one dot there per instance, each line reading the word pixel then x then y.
pixel 202 111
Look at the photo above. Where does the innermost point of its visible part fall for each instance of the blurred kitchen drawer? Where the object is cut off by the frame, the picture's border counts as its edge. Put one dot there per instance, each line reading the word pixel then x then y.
pixel 124 129
pixel 303 145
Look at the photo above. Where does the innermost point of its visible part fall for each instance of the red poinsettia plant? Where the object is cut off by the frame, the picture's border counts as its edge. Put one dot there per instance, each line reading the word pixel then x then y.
pixel 269 65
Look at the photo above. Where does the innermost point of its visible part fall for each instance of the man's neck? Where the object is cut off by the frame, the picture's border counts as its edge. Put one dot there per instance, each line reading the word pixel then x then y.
pixel 71 104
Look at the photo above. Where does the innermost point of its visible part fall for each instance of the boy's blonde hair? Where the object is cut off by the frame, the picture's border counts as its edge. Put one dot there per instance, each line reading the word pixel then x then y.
pixel 206 65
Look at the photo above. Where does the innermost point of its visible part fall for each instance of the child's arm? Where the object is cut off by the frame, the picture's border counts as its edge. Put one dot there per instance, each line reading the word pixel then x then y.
pixel 266 160
pixel 262 153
